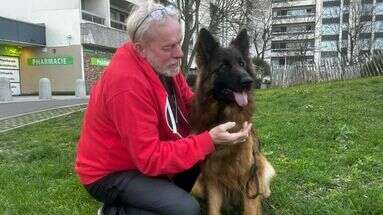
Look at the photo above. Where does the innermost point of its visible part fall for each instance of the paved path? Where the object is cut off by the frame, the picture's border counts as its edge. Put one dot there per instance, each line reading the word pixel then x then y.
pixel 24 111
pixel 23 105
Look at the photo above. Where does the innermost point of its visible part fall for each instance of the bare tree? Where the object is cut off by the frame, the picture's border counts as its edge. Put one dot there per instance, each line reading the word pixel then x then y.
pixel 262 33
pixel 359 22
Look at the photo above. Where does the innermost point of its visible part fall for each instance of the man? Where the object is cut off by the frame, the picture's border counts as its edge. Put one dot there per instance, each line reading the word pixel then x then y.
pixel 135 152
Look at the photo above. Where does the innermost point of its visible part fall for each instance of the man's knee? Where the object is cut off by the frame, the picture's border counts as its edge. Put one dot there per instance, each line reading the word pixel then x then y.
pixel 185 206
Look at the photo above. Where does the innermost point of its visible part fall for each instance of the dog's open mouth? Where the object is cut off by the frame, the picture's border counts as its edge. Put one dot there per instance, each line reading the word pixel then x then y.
pixel 241 98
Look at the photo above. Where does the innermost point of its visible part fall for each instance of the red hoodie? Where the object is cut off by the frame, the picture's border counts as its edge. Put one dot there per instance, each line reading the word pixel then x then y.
pixel 125 126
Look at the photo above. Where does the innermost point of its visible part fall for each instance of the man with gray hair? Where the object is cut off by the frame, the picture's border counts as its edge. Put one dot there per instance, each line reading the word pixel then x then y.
pixel 136 153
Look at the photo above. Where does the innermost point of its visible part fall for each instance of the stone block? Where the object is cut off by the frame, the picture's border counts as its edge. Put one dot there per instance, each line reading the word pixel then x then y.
pixel 5 89
pixel 45 90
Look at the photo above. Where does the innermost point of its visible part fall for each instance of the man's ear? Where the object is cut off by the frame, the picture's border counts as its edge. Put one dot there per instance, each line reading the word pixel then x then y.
pixel 241 42
pixel 139 48
pixel 206 45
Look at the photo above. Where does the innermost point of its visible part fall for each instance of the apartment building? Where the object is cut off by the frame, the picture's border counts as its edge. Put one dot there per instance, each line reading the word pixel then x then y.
pixel 59 40
pixel 313 30
pixel 293 31
pixel 350 29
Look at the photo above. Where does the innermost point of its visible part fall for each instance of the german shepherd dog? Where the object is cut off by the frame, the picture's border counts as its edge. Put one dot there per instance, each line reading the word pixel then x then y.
pixel 223 93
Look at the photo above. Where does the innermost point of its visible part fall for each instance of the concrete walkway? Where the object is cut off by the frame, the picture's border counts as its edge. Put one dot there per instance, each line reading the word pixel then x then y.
pixel 26 110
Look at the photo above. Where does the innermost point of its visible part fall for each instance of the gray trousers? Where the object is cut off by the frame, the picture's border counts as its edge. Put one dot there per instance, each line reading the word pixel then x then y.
pixel 133 193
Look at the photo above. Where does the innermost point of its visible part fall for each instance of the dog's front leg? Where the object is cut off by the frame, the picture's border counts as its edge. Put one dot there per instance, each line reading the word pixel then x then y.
pixel 215 198
pixel 252 206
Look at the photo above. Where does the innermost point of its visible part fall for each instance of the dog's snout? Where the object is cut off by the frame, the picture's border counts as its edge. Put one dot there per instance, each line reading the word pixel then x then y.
pixel 246 81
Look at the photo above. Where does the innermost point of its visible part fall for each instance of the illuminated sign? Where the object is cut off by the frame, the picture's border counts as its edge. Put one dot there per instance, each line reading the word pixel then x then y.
pixel 95 61
pixel 10 51
pixel 50 61
pixel 9 62
pixel 10 69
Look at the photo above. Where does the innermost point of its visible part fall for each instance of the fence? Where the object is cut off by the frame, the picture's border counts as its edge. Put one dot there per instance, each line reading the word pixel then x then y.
pixel 329 70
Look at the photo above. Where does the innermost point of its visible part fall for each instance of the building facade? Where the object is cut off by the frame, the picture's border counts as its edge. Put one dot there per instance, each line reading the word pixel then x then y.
pixel 313 30
pixel 59 40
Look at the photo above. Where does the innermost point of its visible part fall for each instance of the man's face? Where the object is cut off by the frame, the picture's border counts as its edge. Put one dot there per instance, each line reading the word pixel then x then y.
pixel 163 48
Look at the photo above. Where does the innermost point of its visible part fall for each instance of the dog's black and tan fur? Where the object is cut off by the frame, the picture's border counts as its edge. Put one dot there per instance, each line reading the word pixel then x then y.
pixel 223 93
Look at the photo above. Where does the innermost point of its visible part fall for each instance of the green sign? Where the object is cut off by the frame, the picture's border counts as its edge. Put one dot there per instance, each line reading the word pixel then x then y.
pixel 95 61
pixel 10 51
pixel 50 61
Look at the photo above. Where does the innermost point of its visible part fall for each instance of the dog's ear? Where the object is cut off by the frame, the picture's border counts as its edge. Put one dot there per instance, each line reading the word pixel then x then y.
pixel 241 42
pixel 206 45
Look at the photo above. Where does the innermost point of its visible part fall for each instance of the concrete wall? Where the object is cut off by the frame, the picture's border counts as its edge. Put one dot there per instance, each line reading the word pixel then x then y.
pixel 62 77
pixel 102 36
pixel 62 18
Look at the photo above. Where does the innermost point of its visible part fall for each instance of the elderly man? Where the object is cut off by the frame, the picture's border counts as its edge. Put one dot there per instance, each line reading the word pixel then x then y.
pixel 135 152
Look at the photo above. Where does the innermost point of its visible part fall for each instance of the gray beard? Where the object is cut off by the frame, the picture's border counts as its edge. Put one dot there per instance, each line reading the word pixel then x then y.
pixel 167 72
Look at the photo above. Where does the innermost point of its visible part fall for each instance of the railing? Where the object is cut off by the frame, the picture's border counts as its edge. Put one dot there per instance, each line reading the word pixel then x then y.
pixel 91 17
pixel 292 32
pixel 282 1
pixel 118 25
pixel 292 49
pixel 294 16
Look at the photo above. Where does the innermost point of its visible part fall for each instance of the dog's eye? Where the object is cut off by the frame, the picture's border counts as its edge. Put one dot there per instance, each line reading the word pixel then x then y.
pixel 241 63
pixel 225 64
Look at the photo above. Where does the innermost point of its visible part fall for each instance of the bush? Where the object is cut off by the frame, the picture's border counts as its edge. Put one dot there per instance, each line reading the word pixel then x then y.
pixel 261 69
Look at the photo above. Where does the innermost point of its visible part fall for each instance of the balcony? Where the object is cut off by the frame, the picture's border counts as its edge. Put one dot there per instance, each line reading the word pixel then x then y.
pixel 291 3
pixel 91 17
pixel 291 52
pixel 280 20
pixel 98 35
pixel 297 35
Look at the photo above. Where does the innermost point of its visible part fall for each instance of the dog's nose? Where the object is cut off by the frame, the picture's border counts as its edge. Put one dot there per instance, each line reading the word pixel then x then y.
pixel 246 81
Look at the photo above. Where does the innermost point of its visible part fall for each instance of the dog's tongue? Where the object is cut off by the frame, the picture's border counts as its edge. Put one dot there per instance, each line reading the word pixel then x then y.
pixel 241 98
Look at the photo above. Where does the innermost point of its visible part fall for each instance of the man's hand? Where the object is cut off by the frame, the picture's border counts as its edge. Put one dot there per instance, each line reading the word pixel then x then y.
pixel 220 135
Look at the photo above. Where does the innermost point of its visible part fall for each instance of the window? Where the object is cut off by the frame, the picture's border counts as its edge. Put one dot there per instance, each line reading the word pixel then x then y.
pixel 279 29
pixel 278 46
pixel 113 14
pixel 366 27
pixel 367 8
pixel 365 44
pixel 282 13
pixel 379 8
pixel 309 27
pixel 122 18
pixel 330 29
pixel 378 43
pixel 379 25
pixel 278 61
pixel 297 12
pixel 328 45
pixel 331 11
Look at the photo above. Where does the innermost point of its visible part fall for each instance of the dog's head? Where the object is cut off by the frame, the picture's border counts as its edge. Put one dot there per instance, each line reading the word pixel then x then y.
pixel 225 73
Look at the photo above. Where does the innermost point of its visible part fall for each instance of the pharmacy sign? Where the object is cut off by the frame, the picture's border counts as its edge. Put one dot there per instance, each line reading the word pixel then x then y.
pixel 50 61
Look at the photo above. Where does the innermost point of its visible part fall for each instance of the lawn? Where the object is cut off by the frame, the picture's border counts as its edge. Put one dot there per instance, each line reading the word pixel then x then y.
pixel 325 142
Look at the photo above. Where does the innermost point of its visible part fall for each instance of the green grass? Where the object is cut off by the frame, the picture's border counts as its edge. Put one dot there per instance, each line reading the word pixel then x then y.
pixel 36 170
pixel 325 142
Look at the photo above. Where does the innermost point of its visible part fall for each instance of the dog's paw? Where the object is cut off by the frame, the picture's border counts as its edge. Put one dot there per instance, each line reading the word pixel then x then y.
pixel 268 174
